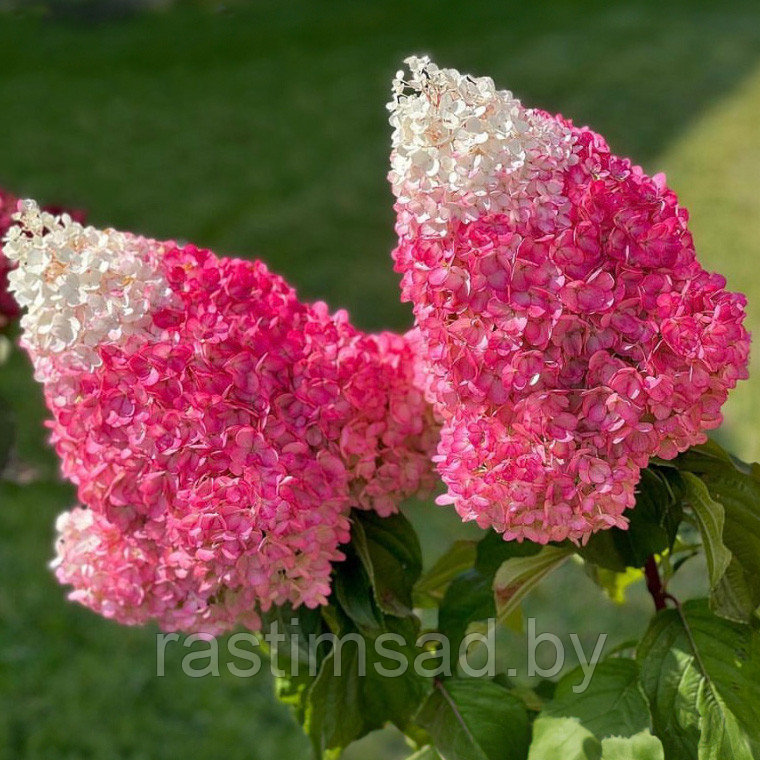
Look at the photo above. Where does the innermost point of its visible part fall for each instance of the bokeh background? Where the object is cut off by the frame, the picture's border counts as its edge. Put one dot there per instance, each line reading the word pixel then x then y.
pixel 259 129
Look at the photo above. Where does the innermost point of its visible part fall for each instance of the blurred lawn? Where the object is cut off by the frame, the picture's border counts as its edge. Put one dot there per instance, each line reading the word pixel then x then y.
pixel 262 131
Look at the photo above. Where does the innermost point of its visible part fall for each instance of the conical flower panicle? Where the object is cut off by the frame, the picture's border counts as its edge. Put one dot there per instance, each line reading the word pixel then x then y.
pixel 566 329
pixel 218 429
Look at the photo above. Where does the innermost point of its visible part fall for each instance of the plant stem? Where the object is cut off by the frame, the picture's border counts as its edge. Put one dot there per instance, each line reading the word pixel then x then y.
pixel 654 584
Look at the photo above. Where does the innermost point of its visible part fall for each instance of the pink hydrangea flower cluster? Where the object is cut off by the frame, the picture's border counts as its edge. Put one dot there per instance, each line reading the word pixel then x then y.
pixel 9 310
pixel 567 331
pixel 218 429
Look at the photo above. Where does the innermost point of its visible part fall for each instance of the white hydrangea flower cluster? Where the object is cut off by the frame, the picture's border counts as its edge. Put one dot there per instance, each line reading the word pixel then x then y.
pixel 81 286
pixel 461 148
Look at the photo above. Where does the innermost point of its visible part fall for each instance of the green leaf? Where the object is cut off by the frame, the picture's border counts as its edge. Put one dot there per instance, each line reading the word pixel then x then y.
pixel 493 551
pixel 710 519
pixel 352 589
pixel 642 746
pixel 574 726
pixel 698 669
pixel 733 598
pixel 721 735
pixel 368 678
pixel 518 576
pixel 390 552
pixel 695 458
pixel 431 588
pixel 350 697
pixel 292 658
pixel 426 753
pixel 653 524
pixel 468 599
pixel 736 486
pixel 475 719
pixel 335 713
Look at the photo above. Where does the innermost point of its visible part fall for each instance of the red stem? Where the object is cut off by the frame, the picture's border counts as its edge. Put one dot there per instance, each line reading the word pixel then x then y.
pixel 654 584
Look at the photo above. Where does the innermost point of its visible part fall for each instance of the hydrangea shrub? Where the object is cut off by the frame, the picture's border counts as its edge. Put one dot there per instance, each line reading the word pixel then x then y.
pixel 241 457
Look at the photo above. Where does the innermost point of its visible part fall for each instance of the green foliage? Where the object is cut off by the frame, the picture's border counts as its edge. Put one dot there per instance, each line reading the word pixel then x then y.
pixel 367 678
pixel 469 598
pixel 518 576
pixel 575 726
pixel 722 736
pixel 692 693
pixel 614 584
pixel 426 753
pixel 493 551
pixel 701 675
pixel 292 673
pixel 475 719
pixel 733 490
pixel 390 552
pixel 642 746
pixel 350 698
pixel 711 518
pixel 430 589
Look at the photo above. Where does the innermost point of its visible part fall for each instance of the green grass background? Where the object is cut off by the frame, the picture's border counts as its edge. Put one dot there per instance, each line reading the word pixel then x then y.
pixel 260 131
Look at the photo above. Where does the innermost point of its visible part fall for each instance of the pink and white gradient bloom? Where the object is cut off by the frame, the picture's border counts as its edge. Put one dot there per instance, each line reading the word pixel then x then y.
pixel 566 330
pixel 218 429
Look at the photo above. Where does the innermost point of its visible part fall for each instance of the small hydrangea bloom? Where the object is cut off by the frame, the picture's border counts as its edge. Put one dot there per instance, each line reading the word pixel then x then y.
pixel 9 310
pixel 565 329
pixel 218 429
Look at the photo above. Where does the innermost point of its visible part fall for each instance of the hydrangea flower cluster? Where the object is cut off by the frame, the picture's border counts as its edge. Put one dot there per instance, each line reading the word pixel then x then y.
pixel 9 310
pixel 218 429
pixel 567 332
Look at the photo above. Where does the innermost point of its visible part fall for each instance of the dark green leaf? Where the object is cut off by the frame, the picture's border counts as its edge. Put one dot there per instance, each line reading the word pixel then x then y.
pixel 292 658
pixel 546 688
pixel 354 693
pixel 573 726
pixel 353 591
pixel 475 719
pixel 493 551
pixel 653 524
pixel 699 670
pixel 368 679
pixel 335 712
pixel 390 552
pixel 699 457
pixel 432 586
pixel 734 598
pixel 468 599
